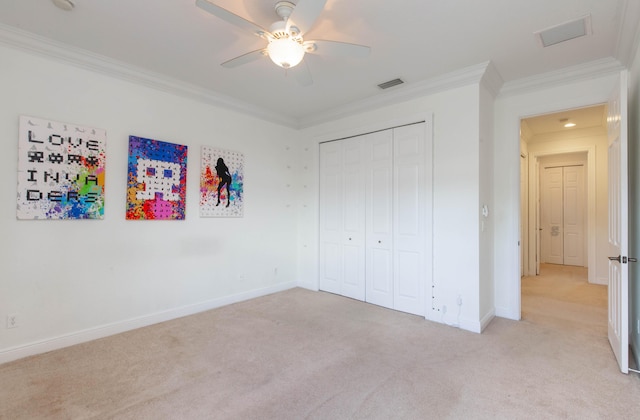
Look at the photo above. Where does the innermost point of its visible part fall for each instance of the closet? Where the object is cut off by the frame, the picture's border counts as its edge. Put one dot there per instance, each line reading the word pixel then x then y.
pixel 563 203
pixel 375 217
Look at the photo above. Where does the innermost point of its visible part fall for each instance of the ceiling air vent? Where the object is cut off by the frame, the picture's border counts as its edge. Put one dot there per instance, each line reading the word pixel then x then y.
pixel 564 32
pixel 390 83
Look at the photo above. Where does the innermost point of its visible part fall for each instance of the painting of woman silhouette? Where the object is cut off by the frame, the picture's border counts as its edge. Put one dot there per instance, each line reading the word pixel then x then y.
pixel 224 180
pixel 221 183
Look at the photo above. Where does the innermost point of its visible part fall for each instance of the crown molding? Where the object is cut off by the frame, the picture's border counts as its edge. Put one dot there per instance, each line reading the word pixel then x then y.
pixel 462 77
pixel 629 31
pixel 38 45
pixel 492 79
pixel 590 70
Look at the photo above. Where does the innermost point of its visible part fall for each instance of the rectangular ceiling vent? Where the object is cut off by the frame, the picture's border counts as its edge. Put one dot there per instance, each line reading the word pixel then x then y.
pixel 564 32
pixel 390 83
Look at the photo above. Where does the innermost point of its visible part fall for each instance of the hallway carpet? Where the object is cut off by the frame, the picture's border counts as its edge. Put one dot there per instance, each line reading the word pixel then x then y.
pixel 311 355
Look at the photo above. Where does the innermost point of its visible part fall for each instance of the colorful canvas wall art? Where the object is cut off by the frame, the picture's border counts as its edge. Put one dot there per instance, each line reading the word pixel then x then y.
pixel 221 183
pixel 157 180
pixel 61 170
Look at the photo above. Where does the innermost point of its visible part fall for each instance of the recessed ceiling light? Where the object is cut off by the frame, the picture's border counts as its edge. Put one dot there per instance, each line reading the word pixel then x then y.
pixel 569 125
pixel 64 4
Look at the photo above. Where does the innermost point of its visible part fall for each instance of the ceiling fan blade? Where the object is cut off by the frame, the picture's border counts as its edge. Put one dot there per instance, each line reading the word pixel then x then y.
pixel 337 49
pixel 305 14
pixel 245 58
pixel 232 18
pixel 302 74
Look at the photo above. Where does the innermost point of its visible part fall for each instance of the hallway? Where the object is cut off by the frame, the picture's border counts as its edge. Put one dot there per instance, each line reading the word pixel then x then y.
pixel 561 297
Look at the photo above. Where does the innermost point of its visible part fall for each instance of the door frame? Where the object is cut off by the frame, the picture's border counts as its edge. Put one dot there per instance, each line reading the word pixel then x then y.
pixel 542 97
pixel 534 206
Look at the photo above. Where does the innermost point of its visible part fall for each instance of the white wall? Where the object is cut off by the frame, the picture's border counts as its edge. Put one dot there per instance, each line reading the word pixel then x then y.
pixel 509 109
pixel 69 281
pixel 455 202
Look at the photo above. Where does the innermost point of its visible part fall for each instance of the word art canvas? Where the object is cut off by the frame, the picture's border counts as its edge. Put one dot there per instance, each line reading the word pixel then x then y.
pixel 61 170
pixel 221 183
pixel 157 180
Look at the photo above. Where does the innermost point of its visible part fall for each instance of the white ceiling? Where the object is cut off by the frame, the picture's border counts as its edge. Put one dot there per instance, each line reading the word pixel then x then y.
pixel 592 117
pixel 415 40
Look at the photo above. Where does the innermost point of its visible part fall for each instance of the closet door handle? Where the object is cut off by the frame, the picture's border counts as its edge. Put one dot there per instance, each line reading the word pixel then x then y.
pixel 615 258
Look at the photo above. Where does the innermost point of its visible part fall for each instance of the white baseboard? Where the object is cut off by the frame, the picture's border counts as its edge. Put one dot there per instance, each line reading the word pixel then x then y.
pixel 308 285
pixel 506 313
pixel 602 280
pixel 469 325
pixel 102 331
pixel 487 319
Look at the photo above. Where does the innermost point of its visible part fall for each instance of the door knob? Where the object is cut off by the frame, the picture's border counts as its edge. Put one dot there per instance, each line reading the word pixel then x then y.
pixel 615 258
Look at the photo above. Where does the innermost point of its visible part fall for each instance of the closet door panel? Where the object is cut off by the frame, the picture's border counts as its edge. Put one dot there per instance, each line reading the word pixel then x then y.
pixel 379 218
pixel 408 288
pixel 331 235
pixel 552 248
pixel 353 205
pixel 409 219
pixel 574 205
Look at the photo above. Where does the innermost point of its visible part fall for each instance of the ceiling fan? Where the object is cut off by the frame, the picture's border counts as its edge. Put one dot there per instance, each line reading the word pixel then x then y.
pixel 286 47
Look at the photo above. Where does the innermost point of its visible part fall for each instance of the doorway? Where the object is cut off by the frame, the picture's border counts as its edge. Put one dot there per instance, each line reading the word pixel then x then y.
pixel 564 165
pixel 546 142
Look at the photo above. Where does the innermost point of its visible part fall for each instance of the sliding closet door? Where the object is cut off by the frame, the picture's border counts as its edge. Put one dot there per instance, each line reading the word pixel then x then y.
pixel 342 191
pixel 409 218
pixel 379 218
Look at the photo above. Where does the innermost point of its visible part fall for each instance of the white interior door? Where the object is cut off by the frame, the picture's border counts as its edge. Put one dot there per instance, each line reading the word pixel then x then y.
pixel 353 281
pixel 563 203
pixel 342 227
pixel 552 216
pixel 574 204
pixel 409 215
pixel 331 234
pixel 375 217
pixel 379 218
pixel 618 310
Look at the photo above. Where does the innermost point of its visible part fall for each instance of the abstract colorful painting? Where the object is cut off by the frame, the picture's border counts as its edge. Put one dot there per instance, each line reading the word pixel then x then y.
pixel 157 180
pixel 61 170
pixel 221 183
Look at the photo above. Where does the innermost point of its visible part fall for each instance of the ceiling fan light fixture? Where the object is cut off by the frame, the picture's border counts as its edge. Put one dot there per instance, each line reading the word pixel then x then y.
pixel 286 52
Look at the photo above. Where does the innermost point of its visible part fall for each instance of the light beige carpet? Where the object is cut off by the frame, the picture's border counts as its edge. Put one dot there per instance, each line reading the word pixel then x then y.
pixel 301 354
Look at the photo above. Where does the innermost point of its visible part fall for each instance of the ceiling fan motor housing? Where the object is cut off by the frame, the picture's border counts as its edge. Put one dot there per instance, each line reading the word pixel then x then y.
pixel 284 9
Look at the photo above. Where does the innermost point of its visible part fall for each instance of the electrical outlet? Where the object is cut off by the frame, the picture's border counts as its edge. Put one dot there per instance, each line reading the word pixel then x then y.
pixel 12 321
pixel 638 327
